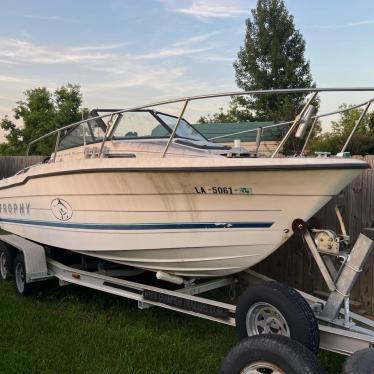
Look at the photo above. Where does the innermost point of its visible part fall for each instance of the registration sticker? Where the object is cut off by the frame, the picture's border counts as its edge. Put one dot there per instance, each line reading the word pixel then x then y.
pixel 223 190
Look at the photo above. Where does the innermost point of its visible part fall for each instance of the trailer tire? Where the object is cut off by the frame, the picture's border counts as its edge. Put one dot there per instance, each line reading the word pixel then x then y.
pixel 5 262
pixel 361 362
pixel 19 276
pixel 270 353
pixel 273 307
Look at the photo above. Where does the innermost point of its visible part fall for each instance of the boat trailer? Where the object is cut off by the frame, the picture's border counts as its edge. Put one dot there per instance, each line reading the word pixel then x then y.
pixel 340 330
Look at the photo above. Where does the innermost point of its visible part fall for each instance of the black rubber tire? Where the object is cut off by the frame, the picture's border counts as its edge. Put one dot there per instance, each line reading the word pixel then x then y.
pixel 286 354
pixel 28 288
pixel 4 251
pixel 361 362
pixel 300 318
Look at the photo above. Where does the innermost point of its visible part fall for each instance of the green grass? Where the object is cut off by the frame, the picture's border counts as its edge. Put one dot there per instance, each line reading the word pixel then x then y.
pixel 77 330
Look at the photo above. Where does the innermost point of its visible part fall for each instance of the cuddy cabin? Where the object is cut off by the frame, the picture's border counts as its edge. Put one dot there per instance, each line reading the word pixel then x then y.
pixel 138 133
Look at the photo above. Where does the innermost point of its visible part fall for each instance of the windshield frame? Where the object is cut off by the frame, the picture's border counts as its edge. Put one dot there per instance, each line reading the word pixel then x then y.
pixel 156 112
pixel 99 121
pixel 111 136
pixel 71 130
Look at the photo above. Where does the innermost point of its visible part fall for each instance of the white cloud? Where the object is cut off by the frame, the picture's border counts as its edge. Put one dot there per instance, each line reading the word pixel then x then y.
pixel 344 25
pixel 216 58
pixel 182 47
pixel 109 74
pixel 100 47
pixel 8 62
pixel 120 70
pixel 24 51
pixel 197 39
pixel 171 52
pixel 97 57
pixel 11 79
pixel 204 9
pixel 155 78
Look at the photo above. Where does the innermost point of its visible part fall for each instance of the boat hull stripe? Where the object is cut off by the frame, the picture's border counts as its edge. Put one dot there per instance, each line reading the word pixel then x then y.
pixel 142 226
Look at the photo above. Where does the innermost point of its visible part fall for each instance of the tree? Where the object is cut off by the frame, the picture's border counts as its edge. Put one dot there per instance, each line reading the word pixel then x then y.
pixel 41 112
pixel 272 57
pixel 14 145
pixel 362 142
pixel 234 114
pixel 68 100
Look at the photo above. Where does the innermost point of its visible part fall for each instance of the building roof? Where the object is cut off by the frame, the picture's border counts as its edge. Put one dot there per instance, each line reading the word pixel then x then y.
pixel 211 130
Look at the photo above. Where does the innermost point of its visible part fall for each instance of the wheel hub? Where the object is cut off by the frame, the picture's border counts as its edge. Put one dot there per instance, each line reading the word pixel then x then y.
pixel 264 318
pixel 3 265
pixel 20 277
pixel 263 368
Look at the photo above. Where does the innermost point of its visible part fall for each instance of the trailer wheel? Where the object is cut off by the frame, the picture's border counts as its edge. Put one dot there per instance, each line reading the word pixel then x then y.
pixel 274 308
pixel 270 354
pixel 5 262
pixel 19 275
pixel 361 362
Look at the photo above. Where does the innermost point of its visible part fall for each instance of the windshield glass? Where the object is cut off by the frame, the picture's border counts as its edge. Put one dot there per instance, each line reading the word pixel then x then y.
pixel 184 129
pixel 85 133
pixel 139 125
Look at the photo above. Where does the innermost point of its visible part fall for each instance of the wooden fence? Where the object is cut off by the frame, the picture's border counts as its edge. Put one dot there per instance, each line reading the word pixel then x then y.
pixel 293 264
pixel 9 165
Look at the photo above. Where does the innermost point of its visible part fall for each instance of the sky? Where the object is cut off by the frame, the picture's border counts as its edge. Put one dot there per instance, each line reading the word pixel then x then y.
pixel 126 53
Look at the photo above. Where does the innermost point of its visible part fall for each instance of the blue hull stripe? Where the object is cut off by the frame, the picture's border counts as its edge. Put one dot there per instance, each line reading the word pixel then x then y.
pixel 142 226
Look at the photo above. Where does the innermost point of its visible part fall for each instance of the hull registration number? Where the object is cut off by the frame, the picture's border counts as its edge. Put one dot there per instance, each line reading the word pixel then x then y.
pixel 223 190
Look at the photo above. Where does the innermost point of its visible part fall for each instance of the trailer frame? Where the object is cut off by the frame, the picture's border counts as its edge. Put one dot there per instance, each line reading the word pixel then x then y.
pixel 335 335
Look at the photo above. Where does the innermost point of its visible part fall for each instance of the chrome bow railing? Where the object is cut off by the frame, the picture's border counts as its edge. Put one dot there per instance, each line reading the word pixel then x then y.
pixel 187 100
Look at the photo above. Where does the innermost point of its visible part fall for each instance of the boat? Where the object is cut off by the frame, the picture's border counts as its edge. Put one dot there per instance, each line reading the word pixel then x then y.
pixel 143 188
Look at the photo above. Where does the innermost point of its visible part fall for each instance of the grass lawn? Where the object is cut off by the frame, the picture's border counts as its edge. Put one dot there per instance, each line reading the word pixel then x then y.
pixel 77 330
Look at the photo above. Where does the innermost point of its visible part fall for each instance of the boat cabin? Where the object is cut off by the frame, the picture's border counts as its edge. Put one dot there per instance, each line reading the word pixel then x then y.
pixel 138 133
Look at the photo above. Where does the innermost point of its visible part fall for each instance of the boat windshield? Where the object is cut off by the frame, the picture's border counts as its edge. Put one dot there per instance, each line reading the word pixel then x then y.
pixel 141 124
pixel 85 133
pixel 149 124
pixel 184 130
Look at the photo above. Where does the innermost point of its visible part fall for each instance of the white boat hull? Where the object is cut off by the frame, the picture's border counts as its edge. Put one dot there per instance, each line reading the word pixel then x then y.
pixel 193 217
